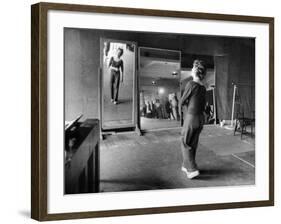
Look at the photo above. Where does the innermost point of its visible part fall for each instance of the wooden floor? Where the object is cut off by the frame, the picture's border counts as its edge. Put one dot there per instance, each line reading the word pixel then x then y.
pixel 154 123
pixel 130 162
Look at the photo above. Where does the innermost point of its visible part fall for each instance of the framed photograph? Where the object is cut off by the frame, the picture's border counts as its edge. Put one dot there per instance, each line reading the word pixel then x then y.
pixel 139 111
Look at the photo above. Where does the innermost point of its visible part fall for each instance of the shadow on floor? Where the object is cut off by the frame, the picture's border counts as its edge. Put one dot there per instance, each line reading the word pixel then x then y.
pixel 24 213
pixel 211 174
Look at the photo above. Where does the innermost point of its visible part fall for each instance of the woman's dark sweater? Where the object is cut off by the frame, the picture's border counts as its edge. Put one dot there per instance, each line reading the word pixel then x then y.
pixel 193 99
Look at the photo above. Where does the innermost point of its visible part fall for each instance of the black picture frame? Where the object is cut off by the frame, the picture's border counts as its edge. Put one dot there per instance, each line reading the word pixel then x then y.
pixel 39 108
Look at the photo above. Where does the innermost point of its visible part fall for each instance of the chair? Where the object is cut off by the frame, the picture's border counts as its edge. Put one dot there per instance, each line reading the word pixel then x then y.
pixel 242 122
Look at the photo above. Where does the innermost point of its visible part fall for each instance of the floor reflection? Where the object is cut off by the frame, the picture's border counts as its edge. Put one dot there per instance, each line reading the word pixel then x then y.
pixel 153 123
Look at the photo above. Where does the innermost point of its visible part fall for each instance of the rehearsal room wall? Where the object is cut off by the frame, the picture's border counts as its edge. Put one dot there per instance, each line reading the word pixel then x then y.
pixel 82 52
pixel 242 73
pixel 81 74
pixel 82 64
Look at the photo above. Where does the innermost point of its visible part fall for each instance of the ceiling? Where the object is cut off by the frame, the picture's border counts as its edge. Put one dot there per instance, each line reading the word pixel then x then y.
pixel 159 63
pixel 158 68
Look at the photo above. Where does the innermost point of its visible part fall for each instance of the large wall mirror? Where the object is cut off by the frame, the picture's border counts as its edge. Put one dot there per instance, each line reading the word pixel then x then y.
pixel 118 86
pixel 159 88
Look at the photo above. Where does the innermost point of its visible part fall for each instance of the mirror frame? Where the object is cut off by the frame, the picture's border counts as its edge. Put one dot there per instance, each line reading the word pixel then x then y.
pixel 139 76
pixel 101 92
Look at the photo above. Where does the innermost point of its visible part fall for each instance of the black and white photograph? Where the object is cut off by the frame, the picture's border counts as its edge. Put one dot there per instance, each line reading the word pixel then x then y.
pixel 155 111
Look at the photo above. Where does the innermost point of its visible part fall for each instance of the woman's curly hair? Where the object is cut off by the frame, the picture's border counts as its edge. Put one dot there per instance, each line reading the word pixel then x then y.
pixel 121 50
pixel 200 69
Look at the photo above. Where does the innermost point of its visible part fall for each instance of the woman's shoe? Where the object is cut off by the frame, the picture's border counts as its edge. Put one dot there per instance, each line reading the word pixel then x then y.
pixel 190 175
pixel 115 102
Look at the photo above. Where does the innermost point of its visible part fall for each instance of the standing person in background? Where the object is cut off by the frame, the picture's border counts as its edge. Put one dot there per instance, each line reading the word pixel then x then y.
pixel 168 109
pixel 144 109
pixel 116 67
pixel 208 113
pixel 192 104
pixel 148 113
pixel 175 110
pixel 171 111
pixel 177 107
pixel 153 110
pixel 158 109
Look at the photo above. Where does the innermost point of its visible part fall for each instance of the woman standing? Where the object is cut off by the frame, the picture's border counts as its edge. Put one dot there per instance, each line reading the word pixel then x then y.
pixel 116 70
pixel 193 105
pixel 175 105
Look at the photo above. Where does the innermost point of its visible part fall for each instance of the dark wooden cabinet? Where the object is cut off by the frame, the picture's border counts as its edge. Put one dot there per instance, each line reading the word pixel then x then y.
pixel 82 158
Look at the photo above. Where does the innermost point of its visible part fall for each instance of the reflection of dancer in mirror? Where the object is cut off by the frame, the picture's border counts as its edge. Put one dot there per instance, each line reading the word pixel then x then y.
pixel 193 106
pixel 116 70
